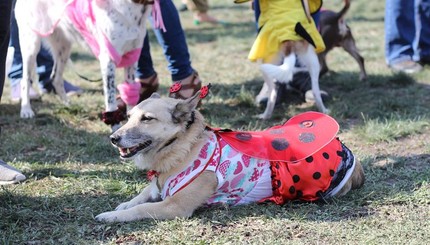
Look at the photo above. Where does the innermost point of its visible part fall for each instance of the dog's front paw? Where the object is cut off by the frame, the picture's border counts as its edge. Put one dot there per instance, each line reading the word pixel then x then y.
pixel 26 112
pixel 108 217
pixel 124 205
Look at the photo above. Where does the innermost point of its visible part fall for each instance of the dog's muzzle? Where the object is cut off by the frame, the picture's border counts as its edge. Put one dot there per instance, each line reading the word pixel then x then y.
pixel 127 152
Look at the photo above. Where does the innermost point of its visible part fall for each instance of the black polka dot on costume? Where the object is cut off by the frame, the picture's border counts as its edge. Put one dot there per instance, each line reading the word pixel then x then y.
pixel 307 137
pixel 280 144
pixel 299 194
pixel 296 178
pixel 326 155
pixel 309 159
pixel 331 172
pixel 278 183
pixel 316 175
pixel 292 190
pixel 244 136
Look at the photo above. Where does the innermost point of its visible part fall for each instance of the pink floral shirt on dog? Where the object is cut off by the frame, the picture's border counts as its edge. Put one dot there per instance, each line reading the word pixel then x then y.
pixel 241 179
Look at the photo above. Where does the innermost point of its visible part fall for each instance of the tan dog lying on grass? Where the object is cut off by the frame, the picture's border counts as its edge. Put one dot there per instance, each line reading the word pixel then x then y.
pixel 193 165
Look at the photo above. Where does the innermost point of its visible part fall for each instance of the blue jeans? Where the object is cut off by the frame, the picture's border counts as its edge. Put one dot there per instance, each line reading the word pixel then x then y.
pixel 45 62
pixel 5 11
pixel 407 30
pixel 173 43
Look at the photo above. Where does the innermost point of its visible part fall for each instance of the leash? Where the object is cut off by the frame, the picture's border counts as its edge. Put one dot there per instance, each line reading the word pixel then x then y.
pixel 82 76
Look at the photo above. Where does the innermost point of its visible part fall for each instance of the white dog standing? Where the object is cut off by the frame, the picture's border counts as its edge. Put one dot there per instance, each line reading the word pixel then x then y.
pixel 113 30
pixel 286 30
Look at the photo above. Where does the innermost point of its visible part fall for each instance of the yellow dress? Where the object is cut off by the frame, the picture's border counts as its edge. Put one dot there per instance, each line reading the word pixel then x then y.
pixel 277 23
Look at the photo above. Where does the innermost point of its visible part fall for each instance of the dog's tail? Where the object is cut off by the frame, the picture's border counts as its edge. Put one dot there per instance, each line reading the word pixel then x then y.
pixel 340 17
pixel 281 73
pixel 341 14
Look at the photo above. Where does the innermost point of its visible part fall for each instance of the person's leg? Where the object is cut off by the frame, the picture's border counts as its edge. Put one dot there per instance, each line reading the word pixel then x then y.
pixel 400 35
pixel 5 12
pixel 145 73
pixel 145 67
pixel 200 10
pixel 174 43
pixel 8 174
pixel 176 52
pixel 424 41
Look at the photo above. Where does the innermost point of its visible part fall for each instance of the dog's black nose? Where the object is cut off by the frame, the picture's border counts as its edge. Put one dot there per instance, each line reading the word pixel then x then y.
pixel 114 139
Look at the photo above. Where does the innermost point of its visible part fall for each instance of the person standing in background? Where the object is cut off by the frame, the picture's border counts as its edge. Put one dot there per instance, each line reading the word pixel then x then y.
pixel 8 174
pixel 407 34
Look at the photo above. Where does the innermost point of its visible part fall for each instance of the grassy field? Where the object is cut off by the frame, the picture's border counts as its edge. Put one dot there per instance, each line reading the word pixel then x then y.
pixel 74 173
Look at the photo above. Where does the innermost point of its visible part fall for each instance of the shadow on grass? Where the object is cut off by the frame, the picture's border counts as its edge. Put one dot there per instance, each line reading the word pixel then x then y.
pixel 52 136
pixel 69 218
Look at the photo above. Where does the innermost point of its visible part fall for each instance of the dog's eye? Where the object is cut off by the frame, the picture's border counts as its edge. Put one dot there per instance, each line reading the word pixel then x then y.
pixel 146 118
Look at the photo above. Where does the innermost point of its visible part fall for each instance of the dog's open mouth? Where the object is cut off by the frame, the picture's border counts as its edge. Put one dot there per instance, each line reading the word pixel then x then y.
pixel 129 152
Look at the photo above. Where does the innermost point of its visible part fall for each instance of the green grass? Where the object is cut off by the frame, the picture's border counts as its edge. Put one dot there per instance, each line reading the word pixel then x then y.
pixel 74 173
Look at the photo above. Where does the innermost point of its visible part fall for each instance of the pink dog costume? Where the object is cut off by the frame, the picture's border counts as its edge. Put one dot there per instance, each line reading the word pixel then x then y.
pixel 97 34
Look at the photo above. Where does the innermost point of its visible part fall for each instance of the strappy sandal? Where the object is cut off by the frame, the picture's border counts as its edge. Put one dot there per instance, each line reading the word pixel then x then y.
pixel 148 88
pixel 177 87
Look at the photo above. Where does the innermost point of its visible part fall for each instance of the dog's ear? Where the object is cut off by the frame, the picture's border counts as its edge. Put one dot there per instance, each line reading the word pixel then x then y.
pixel 184 109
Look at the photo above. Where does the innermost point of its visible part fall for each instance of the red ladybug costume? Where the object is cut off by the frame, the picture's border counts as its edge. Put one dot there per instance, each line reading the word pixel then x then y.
pixel 304 155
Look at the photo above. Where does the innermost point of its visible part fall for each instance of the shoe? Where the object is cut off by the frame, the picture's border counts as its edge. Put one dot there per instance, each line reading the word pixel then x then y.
pixel 15 93
pixel 195 84
pixel 407 66
pixel 148 86
pixel 309 96
pixel 9 174
pixel 425 60
pixel 72 90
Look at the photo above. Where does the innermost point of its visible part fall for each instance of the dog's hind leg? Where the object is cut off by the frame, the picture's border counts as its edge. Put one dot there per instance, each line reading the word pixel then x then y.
pixel 274 74
pixel 323 63
pixel 60 48
pixel 310 59
pixel 348 44
pixel 270 83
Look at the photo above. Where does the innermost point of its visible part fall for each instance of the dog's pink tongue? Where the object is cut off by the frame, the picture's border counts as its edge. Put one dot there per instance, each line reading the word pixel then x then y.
pixel 122 151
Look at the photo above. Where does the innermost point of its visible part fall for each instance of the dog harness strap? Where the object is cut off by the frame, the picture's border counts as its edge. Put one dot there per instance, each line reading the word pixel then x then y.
pixel 113 117
pixel 208 156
